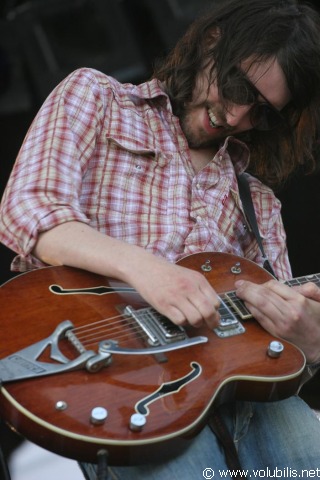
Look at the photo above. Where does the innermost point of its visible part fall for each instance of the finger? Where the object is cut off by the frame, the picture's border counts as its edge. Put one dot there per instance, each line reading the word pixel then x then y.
pixel 309 290
pixel 174 314
pixel 199 311
pixel 268 303
pixel 264 320
pixel 208 308
pixel 195 312
pixel 185 315
pixel 200 305
pixel 281 289
pixel 250 289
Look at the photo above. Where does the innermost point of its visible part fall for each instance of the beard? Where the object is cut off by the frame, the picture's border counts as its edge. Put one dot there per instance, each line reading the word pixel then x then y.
pixel 197 137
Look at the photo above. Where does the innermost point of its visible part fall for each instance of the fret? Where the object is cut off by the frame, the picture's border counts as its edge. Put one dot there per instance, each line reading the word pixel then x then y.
pixel 238 305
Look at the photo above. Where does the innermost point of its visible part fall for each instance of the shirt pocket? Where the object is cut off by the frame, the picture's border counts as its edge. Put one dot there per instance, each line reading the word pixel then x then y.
pixel 131 182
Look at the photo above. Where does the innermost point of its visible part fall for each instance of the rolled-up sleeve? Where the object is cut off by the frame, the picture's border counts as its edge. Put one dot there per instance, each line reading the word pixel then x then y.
pixel 45 185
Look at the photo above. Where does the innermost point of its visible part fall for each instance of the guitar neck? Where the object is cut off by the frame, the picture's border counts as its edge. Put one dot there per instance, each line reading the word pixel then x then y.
pixel 315 278
pixel 231 305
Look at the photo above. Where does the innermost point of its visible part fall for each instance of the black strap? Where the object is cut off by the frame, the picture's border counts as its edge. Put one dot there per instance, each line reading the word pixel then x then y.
pixel 245 195
pixel 216 422
pixel 217 425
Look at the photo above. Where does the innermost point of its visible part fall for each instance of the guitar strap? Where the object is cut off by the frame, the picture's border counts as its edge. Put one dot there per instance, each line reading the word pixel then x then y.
pixel 245 195
pixel 217 425
pixel 216 422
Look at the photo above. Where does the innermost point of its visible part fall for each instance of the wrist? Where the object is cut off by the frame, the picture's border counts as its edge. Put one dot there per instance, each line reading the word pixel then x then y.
pixel 314 361
pixel 313 365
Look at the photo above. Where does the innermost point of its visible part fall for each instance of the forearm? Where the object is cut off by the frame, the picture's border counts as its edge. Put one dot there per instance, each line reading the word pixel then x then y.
pixel 181 294
pixel 77 244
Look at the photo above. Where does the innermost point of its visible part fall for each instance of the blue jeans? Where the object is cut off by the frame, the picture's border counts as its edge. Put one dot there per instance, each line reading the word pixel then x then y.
pixel 274 440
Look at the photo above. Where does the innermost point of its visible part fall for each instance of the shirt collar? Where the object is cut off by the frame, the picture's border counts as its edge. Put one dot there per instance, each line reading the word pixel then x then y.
pixel 238 151
pixel 150 90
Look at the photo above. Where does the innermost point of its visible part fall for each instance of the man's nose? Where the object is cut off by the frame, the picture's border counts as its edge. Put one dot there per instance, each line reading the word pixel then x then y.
pixel 238 114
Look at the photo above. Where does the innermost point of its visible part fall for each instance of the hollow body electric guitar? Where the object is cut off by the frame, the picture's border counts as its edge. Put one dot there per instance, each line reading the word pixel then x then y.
pixel 87 365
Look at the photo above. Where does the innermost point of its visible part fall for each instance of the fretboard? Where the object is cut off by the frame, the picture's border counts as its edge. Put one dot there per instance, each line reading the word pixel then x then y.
pixel 315 278
pixel 232 305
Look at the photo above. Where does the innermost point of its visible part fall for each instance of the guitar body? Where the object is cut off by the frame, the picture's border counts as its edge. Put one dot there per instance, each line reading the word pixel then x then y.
pixel 210 373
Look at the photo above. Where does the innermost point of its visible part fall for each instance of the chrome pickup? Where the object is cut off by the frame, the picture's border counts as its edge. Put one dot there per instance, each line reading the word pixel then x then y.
pixel 229 323
pixel 158 329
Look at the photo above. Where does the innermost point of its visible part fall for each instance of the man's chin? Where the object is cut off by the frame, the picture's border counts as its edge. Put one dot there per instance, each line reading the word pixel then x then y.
pixel 205 144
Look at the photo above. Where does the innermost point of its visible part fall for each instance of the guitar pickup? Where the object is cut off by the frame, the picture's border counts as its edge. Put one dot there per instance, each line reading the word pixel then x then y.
pixel 159 330
pixel 229 327
pixel 227 324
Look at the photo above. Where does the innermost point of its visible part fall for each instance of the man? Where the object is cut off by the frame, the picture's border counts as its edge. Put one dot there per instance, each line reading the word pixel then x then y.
pixel 125 180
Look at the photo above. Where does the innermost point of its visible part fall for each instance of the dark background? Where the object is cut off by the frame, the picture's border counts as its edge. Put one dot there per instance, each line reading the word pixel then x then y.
pixel 41 41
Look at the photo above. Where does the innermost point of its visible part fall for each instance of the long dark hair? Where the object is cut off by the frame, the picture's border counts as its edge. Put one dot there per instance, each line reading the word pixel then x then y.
pixel 235 30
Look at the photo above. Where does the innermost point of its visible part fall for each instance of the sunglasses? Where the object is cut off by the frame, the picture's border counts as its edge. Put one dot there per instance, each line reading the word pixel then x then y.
pixel 240 90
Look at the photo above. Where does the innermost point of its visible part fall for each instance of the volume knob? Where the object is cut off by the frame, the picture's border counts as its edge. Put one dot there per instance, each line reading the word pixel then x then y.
pixel 275 349
pixel 137 422
pixel 98 415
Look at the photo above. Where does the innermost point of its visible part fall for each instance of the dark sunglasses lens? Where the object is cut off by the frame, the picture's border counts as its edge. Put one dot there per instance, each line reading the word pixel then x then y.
pixel 238 94
pixel 264 118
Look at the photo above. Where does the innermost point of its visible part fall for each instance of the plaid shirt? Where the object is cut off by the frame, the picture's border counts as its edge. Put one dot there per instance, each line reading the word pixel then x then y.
pixel 113 156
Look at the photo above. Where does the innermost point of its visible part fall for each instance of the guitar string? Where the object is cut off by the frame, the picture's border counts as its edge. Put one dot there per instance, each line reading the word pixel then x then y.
pixel 116 325
pixel 115 328
pixel 227 296
pixel 119 336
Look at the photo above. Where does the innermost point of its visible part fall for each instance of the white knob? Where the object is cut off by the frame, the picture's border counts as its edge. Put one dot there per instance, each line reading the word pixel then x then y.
pixel 275 349
pixel 137 422
pixel 98 415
